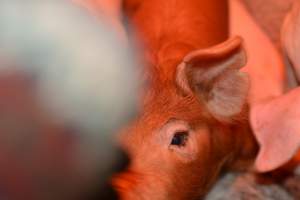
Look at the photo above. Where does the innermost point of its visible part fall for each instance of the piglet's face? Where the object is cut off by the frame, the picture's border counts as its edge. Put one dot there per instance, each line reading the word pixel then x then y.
pixel 189 129
pixel 170 148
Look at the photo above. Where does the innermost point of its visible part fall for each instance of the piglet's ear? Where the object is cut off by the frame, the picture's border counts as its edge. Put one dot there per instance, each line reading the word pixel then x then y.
pixel 213 76
pixel 276 127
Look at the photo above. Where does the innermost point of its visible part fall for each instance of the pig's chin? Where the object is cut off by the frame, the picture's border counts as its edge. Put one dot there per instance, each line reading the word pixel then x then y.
pixel 135 186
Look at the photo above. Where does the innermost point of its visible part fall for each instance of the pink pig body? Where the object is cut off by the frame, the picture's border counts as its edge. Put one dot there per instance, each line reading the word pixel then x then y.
pixel 274 114
pixel 265 65
pixel 291 37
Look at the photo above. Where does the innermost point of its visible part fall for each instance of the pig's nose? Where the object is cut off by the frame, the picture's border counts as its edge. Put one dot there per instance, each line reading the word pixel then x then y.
pixel 107 192
pixel 123 161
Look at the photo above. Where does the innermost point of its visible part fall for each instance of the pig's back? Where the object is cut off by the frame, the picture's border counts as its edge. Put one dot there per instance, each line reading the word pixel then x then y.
pixel 195 23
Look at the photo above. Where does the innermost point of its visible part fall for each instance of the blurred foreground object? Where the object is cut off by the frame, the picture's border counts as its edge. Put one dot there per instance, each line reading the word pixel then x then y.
pixel 66 83
pixel 108 9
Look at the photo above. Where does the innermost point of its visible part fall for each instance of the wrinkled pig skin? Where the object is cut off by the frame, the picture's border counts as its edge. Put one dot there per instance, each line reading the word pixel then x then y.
pixel 193 120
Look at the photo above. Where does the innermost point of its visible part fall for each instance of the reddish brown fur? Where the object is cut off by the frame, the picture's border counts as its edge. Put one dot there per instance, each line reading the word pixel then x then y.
pixel 164 28
pixel 170 30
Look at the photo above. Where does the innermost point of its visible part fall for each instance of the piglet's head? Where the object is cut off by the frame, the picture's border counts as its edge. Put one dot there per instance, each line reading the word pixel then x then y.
pixel 191 126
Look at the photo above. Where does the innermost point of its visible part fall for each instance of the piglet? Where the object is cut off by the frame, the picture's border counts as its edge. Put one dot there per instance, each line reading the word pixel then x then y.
pixel 193 114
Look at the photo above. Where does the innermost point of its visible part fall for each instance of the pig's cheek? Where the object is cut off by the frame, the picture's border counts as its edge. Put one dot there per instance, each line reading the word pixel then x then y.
pixel 150 153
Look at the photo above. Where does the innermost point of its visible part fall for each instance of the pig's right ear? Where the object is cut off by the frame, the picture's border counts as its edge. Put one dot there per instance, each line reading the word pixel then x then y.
pixel 213 76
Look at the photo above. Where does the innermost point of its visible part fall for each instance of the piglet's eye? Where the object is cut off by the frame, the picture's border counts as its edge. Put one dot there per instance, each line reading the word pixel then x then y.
pixel 179 138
